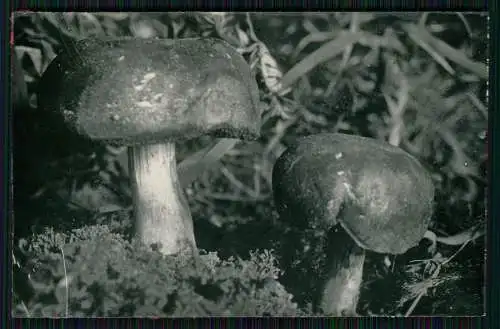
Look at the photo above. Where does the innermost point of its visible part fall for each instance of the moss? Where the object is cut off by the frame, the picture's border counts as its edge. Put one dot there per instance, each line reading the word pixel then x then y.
pixel 94 271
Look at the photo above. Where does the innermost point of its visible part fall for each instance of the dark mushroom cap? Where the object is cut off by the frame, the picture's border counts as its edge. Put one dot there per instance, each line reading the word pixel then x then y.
pixel 379 194
pixel 134 91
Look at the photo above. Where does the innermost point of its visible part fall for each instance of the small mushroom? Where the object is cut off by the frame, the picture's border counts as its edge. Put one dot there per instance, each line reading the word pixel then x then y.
pixel 148 94
pixel 359 194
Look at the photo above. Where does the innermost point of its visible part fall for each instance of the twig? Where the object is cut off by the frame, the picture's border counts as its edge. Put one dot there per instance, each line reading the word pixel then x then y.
pixel 422 293
pixel 455 254
pixel 434 276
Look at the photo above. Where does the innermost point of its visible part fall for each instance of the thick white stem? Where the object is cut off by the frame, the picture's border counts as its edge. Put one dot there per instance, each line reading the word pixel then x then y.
pixel 162 214
pixel 340 294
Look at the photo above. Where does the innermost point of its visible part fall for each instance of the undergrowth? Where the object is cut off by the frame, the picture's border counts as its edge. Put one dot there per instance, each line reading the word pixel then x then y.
pixel 96 272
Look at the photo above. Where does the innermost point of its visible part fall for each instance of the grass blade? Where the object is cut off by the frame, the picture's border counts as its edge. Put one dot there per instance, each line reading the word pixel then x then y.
pixel 326 52
pixel 441 51
pixel 459 58
pixel 421 38
pixel 191 167
pixel 313 37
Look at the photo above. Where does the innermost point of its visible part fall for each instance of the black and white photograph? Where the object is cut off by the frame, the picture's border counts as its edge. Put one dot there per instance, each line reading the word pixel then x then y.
pixel 197 164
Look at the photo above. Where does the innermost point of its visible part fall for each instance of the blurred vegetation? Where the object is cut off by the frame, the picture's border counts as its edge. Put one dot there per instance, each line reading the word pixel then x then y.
pixel 417 80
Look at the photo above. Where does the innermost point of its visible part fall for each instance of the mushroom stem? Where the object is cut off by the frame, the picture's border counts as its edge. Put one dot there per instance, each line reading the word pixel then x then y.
pixel 340 294
pixel 162 215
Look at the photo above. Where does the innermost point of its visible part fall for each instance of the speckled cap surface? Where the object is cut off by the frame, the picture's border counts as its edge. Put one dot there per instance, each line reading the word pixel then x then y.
pixel 382 196
pixel 135 91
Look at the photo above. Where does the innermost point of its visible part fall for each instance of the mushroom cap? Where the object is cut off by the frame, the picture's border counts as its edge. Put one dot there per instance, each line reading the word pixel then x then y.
pixel 134 91
pixel 382 196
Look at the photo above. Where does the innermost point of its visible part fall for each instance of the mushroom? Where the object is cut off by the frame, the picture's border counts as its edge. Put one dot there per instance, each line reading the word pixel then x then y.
pixel 147 94
pixel 357 194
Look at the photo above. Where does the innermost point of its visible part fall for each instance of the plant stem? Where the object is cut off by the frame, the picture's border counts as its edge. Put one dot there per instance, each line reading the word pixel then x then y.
pixel 162 213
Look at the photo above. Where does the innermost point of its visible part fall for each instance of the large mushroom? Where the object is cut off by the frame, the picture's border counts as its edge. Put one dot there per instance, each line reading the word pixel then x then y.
pixel 357 194
pixel 148 94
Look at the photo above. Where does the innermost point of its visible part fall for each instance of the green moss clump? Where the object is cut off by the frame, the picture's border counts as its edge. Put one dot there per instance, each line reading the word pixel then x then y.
pixel 96 272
